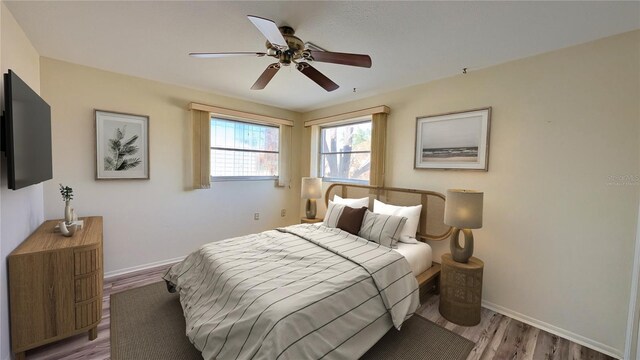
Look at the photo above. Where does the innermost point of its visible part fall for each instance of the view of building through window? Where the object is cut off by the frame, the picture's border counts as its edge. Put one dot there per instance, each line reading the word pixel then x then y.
pixel 345 152
pixel 241 149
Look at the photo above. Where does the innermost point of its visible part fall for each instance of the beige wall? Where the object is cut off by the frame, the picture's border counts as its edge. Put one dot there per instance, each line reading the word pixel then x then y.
pixel 159 219
pixel 21 211
pixel 558 237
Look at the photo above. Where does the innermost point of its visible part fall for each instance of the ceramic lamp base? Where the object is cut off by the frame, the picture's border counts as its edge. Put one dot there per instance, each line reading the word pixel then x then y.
pixel 310 209
pixel 458 253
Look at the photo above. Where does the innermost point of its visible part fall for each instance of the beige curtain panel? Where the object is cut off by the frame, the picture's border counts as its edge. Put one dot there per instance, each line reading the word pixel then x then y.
pixel 378 148
pixel 201 121
pixel 284 161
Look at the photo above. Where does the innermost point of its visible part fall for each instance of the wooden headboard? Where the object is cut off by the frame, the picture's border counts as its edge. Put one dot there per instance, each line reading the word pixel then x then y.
pixel 431 226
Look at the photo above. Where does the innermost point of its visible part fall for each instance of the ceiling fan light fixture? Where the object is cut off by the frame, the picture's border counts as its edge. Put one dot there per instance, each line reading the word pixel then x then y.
pixel 285 58
pixel 283 45
pixel 272 52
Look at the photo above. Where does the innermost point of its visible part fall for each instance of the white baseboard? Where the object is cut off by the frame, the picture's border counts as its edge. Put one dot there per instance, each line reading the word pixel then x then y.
pixel 632 344
pixel 120 272
pixel 578 339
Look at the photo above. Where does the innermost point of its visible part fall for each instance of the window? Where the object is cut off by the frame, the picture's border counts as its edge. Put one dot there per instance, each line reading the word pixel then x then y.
pixel 345 152
pixel 243 150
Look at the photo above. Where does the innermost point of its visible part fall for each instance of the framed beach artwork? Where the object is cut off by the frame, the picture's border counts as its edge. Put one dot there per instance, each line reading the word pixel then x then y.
pixel 457 141
pixel 122 146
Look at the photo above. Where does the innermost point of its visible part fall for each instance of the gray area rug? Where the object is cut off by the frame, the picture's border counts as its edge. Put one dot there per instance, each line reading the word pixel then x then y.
pixel 147 324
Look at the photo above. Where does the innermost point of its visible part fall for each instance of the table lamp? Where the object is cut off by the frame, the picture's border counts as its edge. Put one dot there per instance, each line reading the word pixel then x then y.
pixel 311 190
pixel 463 211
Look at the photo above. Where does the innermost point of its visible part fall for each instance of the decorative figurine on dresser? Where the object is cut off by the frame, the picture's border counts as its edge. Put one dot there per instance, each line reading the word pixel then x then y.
pixel 67 195
pixel 55 285
pixel 461 273
pixel 69 226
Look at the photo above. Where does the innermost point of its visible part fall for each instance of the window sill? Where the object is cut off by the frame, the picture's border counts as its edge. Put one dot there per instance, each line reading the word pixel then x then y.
pixel 242 178
pixel 346 181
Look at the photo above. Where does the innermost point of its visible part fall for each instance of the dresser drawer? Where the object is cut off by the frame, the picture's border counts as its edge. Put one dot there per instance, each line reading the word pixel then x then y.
pixel 86 260
pixel 87 286
pixel 88 313
pixel 41 297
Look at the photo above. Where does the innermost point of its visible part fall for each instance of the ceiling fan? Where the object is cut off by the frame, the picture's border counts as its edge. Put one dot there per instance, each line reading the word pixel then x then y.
pixel 283 45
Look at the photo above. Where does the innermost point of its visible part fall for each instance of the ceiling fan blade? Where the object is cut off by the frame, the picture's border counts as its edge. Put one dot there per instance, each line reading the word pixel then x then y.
pixel 270 30
pixel 317 76
pixel 341 58
pixel 266 76
pixel 225 54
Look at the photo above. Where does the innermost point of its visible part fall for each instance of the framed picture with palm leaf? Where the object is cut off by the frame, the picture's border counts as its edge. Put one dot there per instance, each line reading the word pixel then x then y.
pixel 122 146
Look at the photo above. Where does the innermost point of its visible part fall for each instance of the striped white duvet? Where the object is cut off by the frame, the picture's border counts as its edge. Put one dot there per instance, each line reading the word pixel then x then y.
pixel 293 293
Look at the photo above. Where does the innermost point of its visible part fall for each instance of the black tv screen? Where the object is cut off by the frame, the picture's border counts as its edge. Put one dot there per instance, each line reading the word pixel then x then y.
pixel 27 134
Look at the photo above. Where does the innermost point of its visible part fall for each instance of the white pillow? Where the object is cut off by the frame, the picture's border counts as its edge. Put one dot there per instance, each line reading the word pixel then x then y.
pixel 334 210
pixel 407 239
pixel 354 203
pixel 412 213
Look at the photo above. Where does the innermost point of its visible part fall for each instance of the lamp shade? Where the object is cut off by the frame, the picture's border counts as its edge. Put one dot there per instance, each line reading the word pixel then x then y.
pixel 311 188
pixel 463 209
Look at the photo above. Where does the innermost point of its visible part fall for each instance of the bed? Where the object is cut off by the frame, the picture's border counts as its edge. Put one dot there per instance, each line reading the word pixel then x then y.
pixel 431 226
pixel 301 292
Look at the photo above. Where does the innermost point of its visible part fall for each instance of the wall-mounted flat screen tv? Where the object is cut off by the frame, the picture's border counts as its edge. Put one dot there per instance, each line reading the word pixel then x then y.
pixel 26 134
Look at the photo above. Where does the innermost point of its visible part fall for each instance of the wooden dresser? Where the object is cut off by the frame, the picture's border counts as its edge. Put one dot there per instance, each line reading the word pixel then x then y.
pixel 55 285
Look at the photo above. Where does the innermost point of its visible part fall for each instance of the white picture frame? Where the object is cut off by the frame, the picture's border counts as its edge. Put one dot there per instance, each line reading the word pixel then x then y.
pixel 453 141
pixel 122 146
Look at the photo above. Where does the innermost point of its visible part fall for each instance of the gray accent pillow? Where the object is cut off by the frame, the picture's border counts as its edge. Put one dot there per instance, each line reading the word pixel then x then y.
pixel 382 229
pixel 332 215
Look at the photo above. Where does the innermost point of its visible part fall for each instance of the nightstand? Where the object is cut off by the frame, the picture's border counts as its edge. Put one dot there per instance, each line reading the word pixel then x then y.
pixel 310 221
pixel 461 290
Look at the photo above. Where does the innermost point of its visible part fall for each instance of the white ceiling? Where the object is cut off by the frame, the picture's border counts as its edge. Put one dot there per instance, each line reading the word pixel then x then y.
pixel 409 42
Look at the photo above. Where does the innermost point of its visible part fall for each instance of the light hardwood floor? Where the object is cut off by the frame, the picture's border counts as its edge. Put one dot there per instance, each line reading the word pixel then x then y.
pixel 496 337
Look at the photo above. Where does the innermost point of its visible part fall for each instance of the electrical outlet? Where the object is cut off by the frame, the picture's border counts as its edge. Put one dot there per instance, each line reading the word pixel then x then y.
pixel 283 212
pixel 256 216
